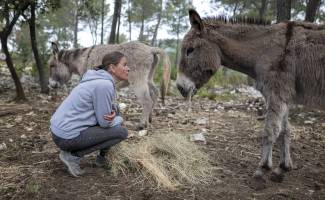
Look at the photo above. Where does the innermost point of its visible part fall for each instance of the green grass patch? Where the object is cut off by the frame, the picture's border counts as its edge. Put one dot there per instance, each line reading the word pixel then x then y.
pixel 226 78
pixel 159 74
pixel 32 187
pixel 221 78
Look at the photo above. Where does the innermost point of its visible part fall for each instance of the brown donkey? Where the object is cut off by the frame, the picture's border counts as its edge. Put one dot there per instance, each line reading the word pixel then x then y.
pixel 142 61
pixel 287 60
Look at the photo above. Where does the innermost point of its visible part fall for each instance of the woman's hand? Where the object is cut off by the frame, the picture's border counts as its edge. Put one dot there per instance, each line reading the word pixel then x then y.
pixel 110 117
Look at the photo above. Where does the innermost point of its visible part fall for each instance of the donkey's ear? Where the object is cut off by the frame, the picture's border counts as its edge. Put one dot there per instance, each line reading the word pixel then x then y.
pixel 55 48
pixel 195 19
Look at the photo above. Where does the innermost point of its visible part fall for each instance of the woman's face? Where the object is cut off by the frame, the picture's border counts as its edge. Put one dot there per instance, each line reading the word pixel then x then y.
pixel 121 70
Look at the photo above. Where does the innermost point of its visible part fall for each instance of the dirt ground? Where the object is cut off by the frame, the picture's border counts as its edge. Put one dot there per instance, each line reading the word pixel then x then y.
pixel 30 167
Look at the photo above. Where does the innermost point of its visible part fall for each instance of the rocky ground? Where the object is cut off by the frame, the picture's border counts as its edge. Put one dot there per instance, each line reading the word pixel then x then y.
pixel 30 168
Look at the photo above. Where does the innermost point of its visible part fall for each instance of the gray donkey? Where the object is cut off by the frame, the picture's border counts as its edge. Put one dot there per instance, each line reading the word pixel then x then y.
pixel 142 61
pixel 287 60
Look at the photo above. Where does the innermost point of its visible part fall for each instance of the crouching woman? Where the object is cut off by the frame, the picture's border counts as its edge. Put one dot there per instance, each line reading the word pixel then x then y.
pixel 88 119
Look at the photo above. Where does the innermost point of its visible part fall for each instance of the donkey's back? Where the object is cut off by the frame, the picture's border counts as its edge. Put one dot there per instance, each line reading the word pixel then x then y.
pixel 136 53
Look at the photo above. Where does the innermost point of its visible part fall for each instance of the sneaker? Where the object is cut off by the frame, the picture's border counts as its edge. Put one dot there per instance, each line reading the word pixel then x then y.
pixel 100 161
pixel 72 162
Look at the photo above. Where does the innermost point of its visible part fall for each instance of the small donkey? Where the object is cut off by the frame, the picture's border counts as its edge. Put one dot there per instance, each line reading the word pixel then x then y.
pixel 287 60
pixel 142 61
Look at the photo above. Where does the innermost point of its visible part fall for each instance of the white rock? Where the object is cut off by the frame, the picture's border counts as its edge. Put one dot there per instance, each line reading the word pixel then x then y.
pixel 204 130
pixel 198 137
pixel 29 129
pixel 19 119
pixel 308 122
pixel 220 107
pixel 169 115
pixel 23 136
pixel 301 115
pixel 44 101
pixel 122 106
pixel 201 121
pixel 9 125
pixel 3 146
pixel 31 114
pixel 312 119
pixel 142 133
pixel 11 140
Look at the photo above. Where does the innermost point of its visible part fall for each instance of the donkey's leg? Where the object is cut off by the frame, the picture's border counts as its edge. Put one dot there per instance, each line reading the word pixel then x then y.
pixel 143 94
pixel 275 113
pixel 285 158
pixel 154 96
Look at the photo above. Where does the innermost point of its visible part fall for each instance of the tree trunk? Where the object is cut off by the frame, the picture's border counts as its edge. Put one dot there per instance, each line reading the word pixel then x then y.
pixel 112 36
pixel 41 72
pixel 154 38
pixel 129 20
pixel 141 38
pixel 177 36
pixel 118 26
pixel 102 23
pixel 4 34
pixel 235 9
pixel 19 89
pixel 311 10
pixel 76 23
pixel 262 11
pixel 283 10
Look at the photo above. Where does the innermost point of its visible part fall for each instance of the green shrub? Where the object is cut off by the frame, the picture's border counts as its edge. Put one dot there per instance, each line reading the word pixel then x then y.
pixel 222 78
pixel 226 78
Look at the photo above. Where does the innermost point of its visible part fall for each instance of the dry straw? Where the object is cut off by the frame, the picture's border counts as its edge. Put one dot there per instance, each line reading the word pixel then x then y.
pixel 168 160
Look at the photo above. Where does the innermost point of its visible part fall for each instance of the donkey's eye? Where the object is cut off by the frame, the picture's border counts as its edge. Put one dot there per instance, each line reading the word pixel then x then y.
pixel 189 50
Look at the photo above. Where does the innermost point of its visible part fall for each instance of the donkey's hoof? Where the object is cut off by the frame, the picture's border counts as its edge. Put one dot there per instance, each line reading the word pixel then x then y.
pixel 277 176
pixel 140 126
pixel 259 173
pixel 258 183
pixel 258 180
pixel 285 167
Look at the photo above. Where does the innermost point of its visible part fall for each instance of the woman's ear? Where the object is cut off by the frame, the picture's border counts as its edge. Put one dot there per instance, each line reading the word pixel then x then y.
pixel 111 68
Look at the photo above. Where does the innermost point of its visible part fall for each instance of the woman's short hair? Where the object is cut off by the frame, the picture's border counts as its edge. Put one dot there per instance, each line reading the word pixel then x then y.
pixel 110 58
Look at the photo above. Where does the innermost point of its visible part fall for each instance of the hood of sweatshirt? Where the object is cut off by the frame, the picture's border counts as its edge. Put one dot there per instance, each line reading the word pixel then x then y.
pixel 95 75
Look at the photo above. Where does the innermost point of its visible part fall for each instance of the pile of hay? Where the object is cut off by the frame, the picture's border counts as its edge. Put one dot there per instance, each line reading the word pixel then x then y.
pixel 166 160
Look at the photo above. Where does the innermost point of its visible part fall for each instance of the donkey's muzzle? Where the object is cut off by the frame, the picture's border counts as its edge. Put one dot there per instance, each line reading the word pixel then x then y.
pixel 182 91
pixel 54 84
pixel 186 92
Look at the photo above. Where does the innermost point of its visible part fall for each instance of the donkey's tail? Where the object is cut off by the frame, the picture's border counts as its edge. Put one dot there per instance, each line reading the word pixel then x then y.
pixel 166 72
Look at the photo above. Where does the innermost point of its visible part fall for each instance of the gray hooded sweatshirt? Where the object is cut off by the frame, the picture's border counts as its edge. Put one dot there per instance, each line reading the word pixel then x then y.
pixel 86 106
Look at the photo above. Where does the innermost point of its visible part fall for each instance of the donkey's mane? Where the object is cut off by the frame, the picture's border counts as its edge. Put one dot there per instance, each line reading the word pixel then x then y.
pixel 244 20
pixel 71 54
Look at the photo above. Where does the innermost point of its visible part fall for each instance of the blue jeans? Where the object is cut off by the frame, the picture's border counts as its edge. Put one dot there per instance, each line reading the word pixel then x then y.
pixel 92 139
